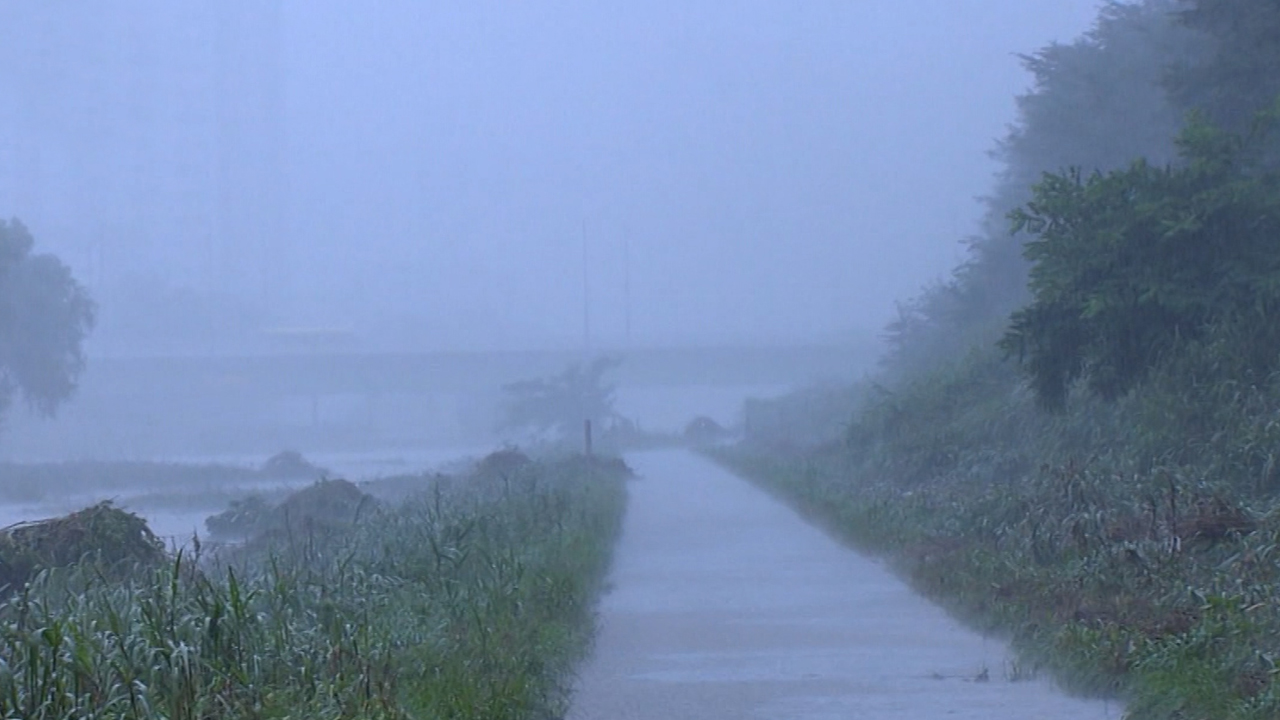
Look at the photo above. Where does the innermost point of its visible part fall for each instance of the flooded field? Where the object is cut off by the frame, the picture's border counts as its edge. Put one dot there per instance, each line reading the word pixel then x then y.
pixel 177 511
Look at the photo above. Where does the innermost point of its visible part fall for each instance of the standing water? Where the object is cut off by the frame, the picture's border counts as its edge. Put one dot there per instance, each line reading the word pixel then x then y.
pixel 725 604
pixel 177 512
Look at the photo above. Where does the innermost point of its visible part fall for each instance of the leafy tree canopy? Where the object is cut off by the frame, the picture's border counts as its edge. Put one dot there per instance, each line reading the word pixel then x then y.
pixel 1128 264
pixel 44 318
pixel 558 405
pixel 1095 103
pixel 1240 74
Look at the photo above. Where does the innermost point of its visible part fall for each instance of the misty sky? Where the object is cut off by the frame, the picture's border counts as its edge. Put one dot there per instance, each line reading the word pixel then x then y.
pixel 779 169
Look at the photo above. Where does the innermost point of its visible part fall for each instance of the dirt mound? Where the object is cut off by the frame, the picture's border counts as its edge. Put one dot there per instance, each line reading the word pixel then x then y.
pixel 103 533
pixel 502 462
pixel 326 504
pixel 241 519
pixel 703 429
pixel 291 464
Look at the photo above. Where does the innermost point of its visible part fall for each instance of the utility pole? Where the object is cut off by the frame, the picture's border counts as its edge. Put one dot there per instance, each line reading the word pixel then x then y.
pixel 626 286
pixel 586 338
pixel 586 296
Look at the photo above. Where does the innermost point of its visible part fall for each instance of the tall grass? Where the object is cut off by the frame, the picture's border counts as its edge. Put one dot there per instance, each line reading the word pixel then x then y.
pixel 471 600
pixel 1129 547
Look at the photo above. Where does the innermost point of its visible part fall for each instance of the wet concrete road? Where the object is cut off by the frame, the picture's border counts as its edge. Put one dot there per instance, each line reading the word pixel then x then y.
pixel 725 604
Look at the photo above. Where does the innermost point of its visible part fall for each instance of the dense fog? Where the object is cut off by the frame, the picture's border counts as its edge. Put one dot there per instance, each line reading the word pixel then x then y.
pixel 236 179
pixel 425 175
pixel 573 359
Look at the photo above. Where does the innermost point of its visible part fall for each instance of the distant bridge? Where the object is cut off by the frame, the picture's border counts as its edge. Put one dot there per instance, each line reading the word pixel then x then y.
pixel 416 373
pixel 179 406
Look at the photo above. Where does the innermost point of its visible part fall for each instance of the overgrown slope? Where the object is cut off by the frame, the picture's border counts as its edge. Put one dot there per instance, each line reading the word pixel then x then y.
pixel 1103 485
pixel 1125 556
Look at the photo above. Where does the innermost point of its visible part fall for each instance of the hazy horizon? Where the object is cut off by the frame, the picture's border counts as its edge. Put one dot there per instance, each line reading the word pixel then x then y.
pixel 427 175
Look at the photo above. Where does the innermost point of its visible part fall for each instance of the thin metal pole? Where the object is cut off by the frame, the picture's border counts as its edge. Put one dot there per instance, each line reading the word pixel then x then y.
pixel 586 296
pixel 586 340
pixel 626 284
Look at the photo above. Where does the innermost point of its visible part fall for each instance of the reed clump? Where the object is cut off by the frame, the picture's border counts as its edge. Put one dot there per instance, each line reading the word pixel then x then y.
pixel 109 536
pixel 325 506
pixel 471 599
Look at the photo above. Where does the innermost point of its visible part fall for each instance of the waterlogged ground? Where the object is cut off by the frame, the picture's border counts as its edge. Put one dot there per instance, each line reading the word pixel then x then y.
pixel 176 513
pixel 725 604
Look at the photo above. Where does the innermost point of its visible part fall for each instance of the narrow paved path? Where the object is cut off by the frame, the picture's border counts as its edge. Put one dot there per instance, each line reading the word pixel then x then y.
pixel 725 604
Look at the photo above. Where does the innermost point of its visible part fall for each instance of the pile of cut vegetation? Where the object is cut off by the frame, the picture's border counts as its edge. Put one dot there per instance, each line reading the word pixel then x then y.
pixel 326 505
pixel 103 533
pixel 703 430
pixel 291 464
pixel 502 463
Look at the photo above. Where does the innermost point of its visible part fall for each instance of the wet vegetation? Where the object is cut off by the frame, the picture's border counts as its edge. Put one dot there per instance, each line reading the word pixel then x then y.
pixel 113 539
pixel 470 598
pixel 573 407
pixel 1074 439
pixel 327 506
pixel 45 315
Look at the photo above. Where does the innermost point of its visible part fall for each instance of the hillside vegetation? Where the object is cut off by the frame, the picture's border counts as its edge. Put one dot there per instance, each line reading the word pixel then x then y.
pixel 1075 438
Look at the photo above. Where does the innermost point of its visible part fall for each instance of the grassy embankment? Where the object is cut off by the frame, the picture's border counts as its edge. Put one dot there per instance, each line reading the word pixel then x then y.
pixel 1129 547
pixel 471 599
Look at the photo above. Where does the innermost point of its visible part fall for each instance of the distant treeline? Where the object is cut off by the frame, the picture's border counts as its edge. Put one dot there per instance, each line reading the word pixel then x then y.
pixel 1146 83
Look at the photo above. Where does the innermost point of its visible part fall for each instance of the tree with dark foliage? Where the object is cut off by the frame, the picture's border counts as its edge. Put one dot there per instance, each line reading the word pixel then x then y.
pixel 44 318
pixel 556 406
pixel 1096 103
pixel 1239 76
pixel 1131 265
